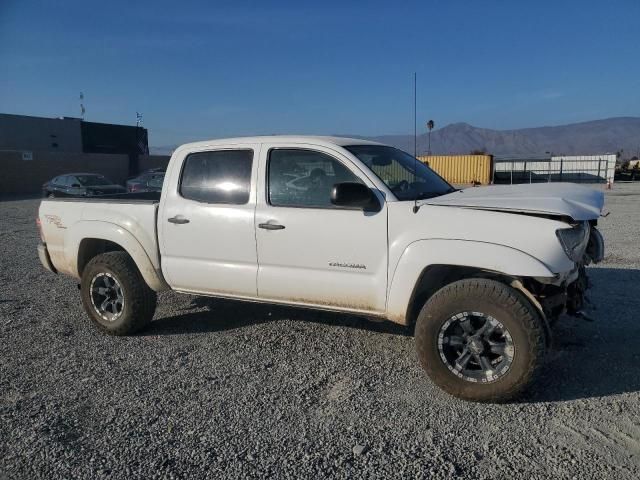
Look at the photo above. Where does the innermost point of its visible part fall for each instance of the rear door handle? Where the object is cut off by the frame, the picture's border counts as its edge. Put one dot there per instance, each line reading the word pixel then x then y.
pixel 178 219
pixel 271 226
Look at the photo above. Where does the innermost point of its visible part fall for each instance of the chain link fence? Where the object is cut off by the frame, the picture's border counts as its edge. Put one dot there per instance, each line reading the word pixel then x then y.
pixel 576 169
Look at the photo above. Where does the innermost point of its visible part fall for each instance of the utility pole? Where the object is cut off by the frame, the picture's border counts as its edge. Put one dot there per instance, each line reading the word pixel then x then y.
pixel 430 125
pixel 139 149
pixel 82 110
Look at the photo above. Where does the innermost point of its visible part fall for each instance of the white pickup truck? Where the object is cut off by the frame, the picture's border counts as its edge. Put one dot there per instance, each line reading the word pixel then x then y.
pixel 348 225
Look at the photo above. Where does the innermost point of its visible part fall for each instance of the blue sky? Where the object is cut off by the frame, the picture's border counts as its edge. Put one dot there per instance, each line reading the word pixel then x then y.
pixel 211 69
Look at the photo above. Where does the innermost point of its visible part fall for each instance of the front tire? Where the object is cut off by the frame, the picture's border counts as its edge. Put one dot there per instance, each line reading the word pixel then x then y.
pixel 480 340
pixel 115 296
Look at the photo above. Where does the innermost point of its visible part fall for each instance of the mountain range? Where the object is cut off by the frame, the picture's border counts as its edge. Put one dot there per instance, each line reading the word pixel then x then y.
pixel 595 137
pixel 608 135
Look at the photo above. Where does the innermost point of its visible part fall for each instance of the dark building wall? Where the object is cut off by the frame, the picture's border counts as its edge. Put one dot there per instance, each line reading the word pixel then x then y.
pixel 36 149
pixel 21 176
pixel 27 176
pixel 108 138
pixel 19 132
pixel 152 161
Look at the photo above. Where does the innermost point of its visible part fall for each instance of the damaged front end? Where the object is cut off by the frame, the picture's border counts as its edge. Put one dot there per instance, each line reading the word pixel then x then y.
pixel 576 290
pixel 566 293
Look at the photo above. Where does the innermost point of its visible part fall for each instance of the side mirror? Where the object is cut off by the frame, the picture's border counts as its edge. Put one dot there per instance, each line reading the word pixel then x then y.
pixel 75 185
pixel 354 195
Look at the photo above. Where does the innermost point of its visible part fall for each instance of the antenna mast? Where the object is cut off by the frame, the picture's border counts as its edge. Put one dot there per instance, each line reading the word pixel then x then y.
pixel 415 121
pixel 415 139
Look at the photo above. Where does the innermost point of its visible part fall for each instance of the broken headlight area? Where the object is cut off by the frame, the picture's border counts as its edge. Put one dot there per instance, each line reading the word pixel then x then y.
pixel 595 247
pixel 574 240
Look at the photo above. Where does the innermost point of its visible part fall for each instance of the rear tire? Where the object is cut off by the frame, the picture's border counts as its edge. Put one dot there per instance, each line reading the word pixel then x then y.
pixel 115 296
pixel 480 340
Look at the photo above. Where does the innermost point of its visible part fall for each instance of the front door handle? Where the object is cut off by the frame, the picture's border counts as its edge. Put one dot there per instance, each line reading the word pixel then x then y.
pixel 178 219
pixel 271 226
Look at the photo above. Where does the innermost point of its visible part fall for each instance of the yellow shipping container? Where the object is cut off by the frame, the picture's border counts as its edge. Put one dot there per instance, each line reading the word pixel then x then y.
pixel 461 169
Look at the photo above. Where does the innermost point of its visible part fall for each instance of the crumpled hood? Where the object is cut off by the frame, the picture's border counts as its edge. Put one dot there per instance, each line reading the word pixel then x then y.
pixel 558 199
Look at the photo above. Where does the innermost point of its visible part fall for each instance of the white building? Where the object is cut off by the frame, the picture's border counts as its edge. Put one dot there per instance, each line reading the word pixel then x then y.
pixel 557 168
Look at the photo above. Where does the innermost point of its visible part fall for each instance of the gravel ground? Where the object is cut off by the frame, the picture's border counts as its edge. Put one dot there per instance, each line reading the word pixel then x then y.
pixel 221 389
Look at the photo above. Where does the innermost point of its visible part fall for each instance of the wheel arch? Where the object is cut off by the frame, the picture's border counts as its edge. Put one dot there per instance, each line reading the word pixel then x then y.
pixel 93 238
pixel 435 277
pixel 428 265
pixel 92 247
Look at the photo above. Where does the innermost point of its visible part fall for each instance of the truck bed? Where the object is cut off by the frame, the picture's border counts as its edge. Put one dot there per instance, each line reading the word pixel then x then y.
pixel 66 221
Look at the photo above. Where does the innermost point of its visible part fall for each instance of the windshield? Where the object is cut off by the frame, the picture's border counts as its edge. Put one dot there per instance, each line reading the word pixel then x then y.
pixel 407 178
pixel 92 180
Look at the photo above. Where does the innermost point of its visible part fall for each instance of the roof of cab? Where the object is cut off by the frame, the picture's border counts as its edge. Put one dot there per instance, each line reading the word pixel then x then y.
pixel 317 140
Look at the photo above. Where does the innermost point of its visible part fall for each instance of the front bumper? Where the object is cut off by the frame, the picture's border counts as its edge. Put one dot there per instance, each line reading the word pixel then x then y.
pixel 566 291
pixel 45 259
pixel 568 297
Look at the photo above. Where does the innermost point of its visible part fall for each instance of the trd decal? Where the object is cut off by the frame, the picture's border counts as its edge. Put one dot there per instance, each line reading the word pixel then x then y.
pixel 56 220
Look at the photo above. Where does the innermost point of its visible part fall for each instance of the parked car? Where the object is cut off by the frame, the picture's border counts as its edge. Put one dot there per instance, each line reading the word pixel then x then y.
pixel 628 170
pixel 80 184
pixel 148 181
pixel 482 272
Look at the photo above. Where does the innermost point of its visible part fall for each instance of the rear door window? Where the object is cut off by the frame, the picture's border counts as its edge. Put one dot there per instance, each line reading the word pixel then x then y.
pixel 222 176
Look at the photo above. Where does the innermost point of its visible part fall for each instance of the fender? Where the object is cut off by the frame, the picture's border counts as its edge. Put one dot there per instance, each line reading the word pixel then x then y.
pixel 423 253
pixel 118 235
